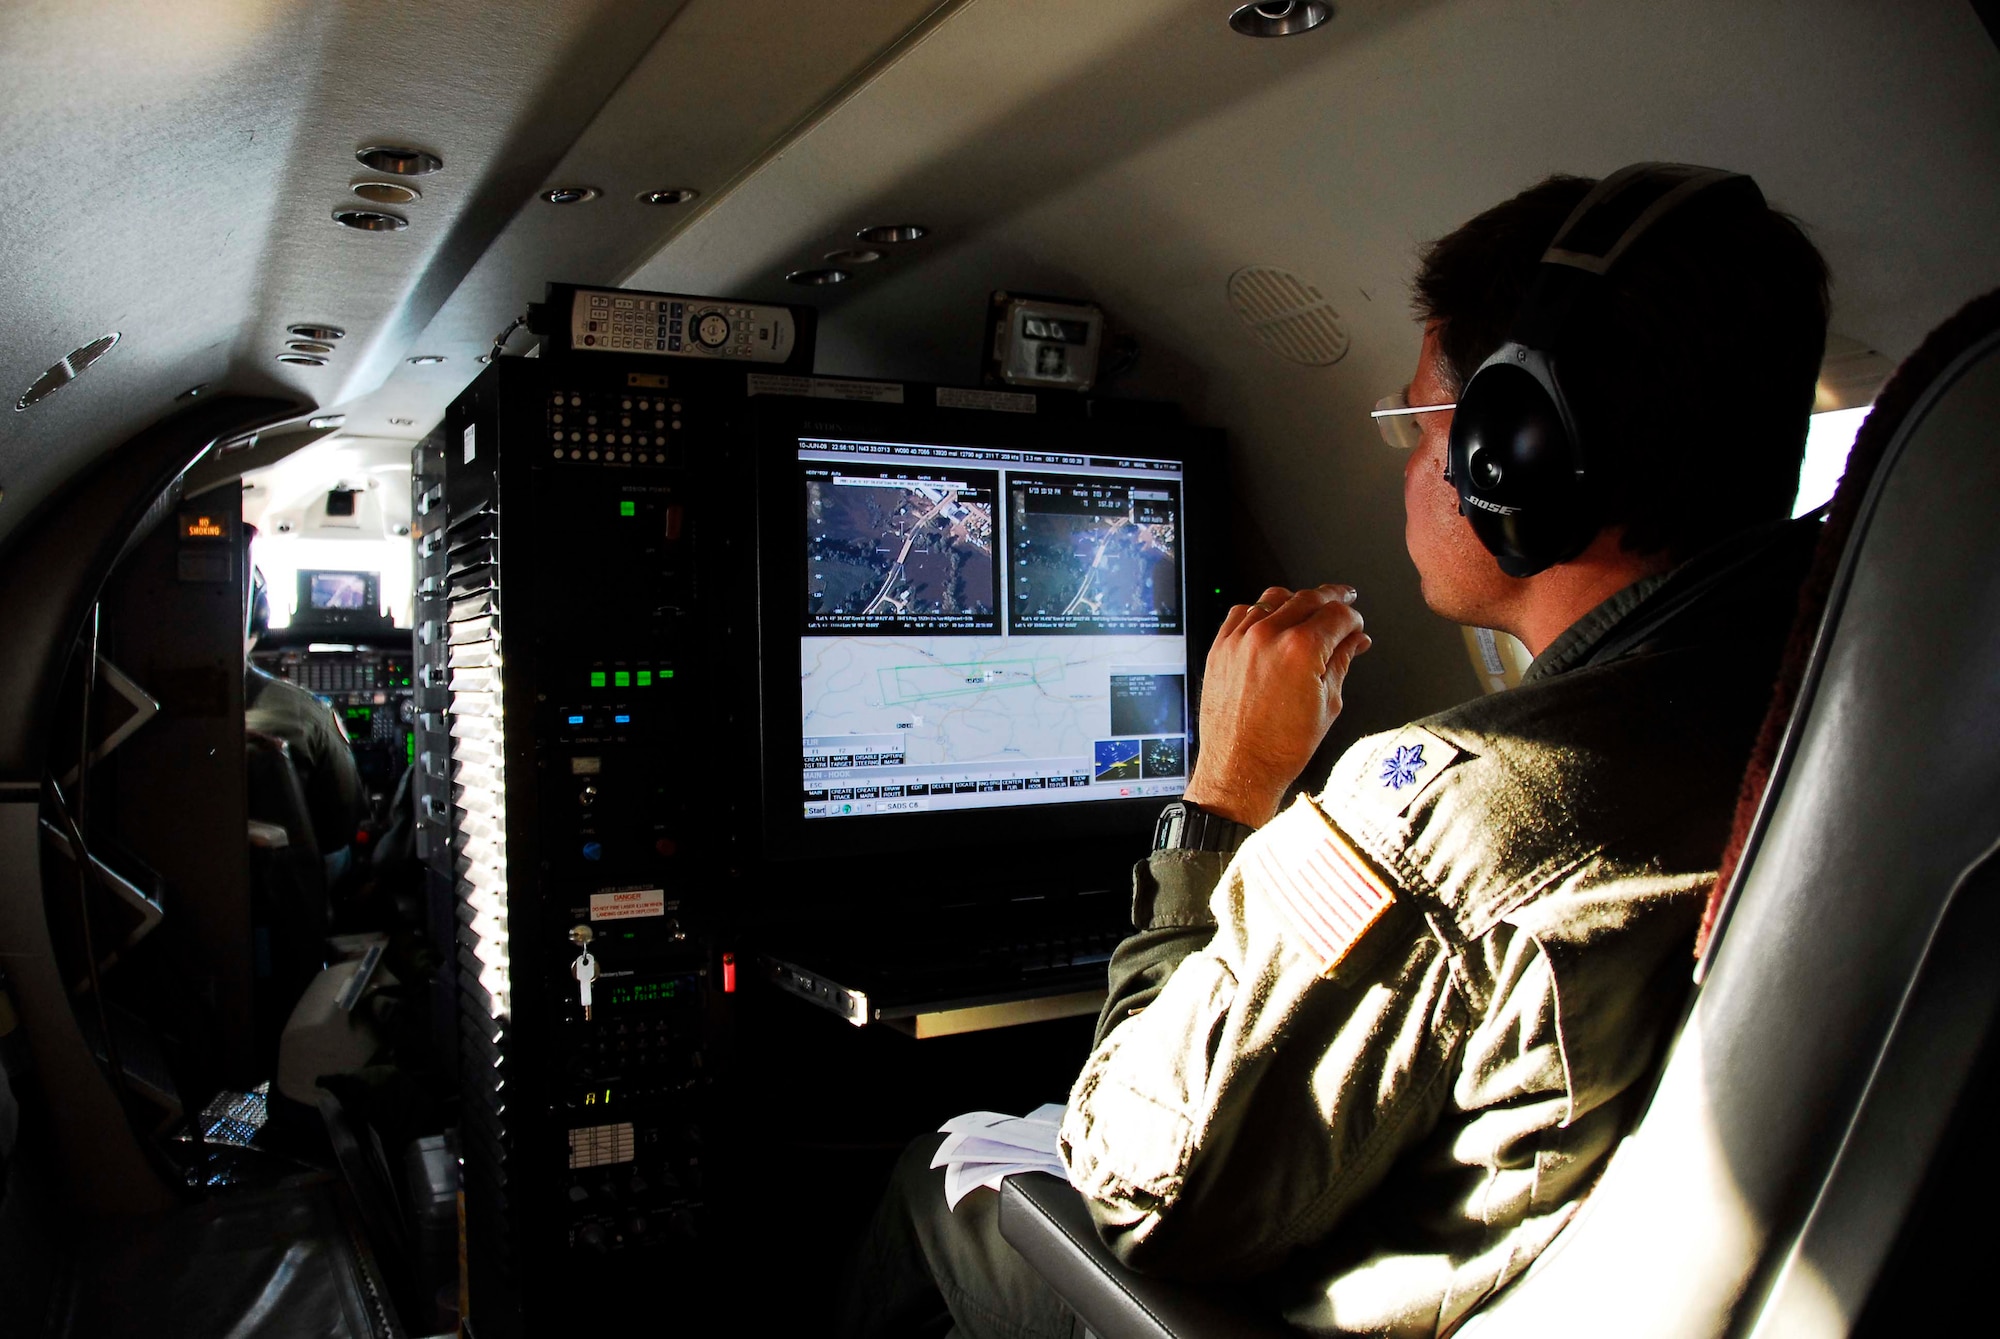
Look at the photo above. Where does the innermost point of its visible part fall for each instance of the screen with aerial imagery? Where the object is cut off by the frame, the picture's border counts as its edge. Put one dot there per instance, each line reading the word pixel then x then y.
pixel 984 628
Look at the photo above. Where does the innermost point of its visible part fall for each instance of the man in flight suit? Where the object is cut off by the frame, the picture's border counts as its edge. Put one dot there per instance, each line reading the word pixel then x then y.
pixel 336 799
pixel 1365 1054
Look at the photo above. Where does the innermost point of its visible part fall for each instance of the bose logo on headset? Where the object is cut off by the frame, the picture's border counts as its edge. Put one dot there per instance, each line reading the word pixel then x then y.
pixel 1516 461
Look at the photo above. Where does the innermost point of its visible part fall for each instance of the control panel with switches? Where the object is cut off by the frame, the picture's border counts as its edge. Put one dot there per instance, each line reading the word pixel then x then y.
pixel 580 683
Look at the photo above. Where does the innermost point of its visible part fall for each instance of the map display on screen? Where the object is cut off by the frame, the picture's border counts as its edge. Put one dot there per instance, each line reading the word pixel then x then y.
pixel 986 627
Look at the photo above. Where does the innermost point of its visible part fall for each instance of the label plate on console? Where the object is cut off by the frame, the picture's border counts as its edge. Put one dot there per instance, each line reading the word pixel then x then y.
pixel 624 904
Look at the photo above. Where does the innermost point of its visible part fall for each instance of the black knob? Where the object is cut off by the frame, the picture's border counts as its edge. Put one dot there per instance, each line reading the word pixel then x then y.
pixel 593 1237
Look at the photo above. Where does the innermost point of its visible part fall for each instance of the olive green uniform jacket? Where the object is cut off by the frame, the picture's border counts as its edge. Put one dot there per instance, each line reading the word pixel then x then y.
pixel 336 799
pixel 1380 1127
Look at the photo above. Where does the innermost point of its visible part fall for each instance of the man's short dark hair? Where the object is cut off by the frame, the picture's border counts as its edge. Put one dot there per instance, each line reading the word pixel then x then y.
pixel 1691 378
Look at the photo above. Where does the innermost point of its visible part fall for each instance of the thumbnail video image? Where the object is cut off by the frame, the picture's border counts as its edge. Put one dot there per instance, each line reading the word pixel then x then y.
pixel 339 590
pixel 1148 704
pixel 898 553
pixel 1163 758
pixel 1117 760
pixel 1094 555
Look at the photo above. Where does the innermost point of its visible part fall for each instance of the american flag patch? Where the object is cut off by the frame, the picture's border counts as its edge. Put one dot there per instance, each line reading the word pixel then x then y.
pixel 1326 892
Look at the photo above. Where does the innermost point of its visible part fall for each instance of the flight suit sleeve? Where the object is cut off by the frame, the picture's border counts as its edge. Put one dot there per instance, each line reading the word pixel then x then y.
pixel 1170 892
pixel 335 795
pixel 1261 1093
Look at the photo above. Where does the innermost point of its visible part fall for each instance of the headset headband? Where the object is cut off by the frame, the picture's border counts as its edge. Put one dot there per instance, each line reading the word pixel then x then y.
pixel 1516 459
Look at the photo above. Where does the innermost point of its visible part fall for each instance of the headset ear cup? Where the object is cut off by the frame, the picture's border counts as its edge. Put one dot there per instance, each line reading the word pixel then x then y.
pixel 1513 462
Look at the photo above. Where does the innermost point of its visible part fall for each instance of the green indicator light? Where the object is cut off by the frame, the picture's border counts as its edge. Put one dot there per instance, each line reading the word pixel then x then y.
pixel 666 674
pixel 628 509
pixel 597 678
pixel 621 680
pixel 1218 590
pixel 645 678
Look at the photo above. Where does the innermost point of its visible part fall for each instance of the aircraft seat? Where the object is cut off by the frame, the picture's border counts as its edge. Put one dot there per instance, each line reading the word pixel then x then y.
pixel 1809 1110
pixel 288 893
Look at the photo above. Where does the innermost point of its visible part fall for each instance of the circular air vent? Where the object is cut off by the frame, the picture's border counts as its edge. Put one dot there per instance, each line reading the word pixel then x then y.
pixel 893 234
pixel 386 192
pixel 399 159
pixel 1288 316
pixel 369 220
pixel 65 370
pixel 1280 18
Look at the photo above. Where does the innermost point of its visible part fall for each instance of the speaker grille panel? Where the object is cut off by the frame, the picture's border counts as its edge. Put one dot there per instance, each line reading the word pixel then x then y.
pixel 1288 316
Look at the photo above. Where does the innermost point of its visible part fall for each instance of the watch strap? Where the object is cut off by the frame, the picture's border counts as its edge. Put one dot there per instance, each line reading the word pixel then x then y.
pixel 1186 826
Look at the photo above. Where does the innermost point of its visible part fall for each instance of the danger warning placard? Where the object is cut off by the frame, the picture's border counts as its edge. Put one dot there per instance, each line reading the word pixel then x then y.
pixel 624 904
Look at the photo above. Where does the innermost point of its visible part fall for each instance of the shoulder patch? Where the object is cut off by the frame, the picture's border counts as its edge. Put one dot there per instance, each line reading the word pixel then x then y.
pixel 1325 890
pixel 1405 768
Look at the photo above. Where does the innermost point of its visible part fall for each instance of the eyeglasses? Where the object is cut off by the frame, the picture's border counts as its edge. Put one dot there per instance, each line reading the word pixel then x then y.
pixel 1396 417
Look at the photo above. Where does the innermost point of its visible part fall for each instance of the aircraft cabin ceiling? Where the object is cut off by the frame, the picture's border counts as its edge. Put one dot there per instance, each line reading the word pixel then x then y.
pixel 171 174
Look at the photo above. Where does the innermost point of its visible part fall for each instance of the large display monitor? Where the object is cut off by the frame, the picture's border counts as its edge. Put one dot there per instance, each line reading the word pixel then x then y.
pixel 984 620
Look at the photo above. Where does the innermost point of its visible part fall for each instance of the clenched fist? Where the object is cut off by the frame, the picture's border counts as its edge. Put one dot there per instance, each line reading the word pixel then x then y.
pixel 1270 694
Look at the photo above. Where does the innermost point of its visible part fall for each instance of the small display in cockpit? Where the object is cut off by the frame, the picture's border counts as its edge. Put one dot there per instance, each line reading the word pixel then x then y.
pixel 337 590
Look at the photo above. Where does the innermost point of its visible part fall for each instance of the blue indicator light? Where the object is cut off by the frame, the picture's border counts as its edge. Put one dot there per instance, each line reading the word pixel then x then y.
pixel 622 720
pixel 576 720
pixel 593 851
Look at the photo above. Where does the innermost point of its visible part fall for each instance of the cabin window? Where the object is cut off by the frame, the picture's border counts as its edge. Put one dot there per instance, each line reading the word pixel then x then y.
pixel 1828 441
pixel 281 556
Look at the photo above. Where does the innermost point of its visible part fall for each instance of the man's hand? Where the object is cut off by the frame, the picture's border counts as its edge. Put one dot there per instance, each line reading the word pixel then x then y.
pixel 1270 694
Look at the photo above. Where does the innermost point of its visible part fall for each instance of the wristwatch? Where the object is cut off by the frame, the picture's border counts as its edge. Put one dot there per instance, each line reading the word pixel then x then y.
pixel 1186 826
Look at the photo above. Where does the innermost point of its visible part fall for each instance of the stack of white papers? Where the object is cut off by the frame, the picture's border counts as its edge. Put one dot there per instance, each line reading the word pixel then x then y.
pixel 982 1147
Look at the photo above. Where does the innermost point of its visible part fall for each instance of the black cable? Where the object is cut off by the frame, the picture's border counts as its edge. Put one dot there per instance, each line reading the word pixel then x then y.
pixel 500 340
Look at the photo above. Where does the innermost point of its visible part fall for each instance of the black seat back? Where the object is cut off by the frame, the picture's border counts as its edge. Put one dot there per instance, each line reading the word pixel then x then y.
pixel 289 911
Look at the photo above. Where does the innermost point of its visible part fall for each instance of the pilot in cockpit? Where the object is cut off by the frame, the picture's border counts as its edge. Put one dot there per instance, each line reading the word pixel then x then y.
pixel 1366 1053
pixel 336 799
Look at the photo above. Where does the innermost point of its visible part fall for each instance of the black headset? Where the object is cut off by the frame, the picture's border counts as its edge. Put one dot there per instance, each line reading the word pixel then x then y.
pixel 1521 471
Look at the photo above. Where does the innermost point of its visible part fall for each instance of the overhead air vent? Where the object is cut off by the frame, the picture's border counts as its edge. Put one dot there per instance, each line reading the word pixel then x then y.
pixel 892 234
pixel 399 159
pixel 1280 18
pixel 1288 316
pixel 570 195
pixel 369 220
pixel 386 192
pixel 672 195
pixel 65 370
pixel 320 333
pixel 824 276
